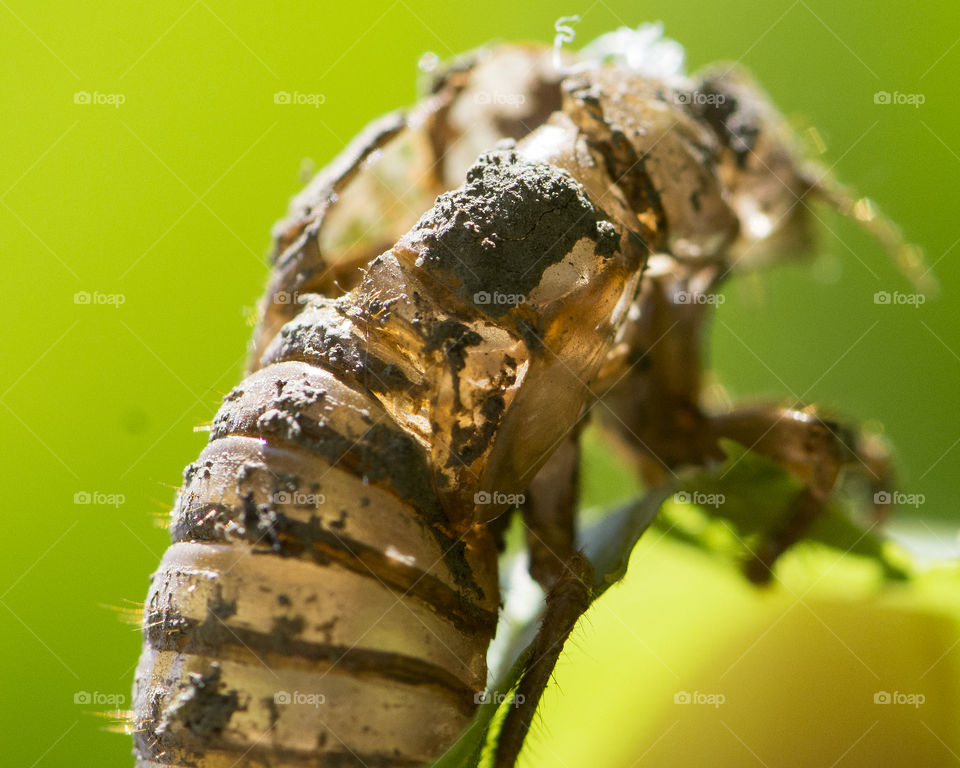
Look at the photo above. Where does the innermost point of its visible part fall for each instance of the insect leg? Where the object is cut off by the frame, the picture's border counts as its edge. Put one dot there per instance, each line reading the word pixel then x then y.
pixel 549 515
pixel 567 601
pixel 655 408
pixel 815 451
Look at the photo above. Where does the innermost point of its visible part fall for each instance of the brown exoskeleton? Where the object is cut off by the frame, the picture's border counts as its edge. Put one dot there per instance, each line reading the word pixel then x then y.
pixel 422 360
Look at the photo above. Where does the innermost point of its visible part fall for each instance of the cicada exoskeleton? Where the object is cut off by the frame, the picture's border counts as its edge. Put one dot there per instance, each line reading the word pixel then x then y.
pixel 448 300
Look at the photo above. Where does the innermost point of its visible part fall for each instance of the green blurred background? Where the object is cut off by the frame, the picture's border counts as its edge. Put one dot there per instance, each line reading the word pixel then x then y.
pixel 167 201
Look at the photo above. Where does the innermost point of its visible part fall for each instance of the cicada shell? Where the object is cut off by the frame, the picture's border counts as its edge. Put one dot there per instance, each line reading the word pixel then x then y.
pixel 448 298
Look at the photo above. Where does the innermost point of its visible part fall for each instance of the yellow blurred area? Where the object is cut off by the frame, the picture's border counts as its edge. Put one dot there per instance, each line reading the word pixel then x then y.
pixel 685 664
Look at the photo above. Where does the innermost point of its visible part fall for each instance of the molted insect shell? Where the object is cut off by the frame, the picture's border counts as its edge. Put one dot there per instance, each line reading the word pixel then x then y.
pixel 434 327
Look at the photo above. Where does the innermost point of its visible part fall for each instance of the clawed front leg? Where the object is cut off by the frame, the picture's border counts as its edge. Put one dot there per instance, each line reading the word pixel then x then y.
pixel 815 451
pixel 655 408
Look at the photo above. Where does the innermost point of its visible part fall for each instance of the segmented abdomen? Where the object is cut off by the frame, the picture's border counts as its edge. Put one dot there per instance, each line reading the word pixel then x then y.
pixel 310 611
pixel 315 608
